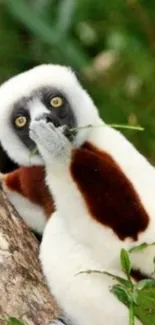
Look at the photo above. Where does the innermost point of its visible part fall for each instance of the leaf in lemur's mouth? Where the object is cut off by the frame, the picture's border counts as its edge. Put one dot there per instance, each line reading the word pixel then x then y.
pixel 34 151
pixel 140 247
pixel 115 126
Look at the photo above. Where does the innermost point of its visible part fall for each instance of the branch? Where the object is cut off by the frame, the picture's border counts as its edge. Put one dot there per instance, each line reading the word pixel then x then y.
pixel 23 293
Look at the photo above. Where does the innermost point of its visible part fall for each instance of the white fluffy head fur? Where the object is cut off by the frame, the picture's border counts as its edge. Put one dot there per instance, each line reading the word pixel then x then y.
pixel 60 77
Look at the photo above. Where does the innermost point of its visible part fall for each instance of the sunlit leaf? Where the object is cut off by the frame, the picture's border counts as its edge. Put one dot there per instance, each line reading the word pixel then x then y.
pixel 145 308
pixel 125 262
pixel 140 247
pixel 122 294
pixel 14 321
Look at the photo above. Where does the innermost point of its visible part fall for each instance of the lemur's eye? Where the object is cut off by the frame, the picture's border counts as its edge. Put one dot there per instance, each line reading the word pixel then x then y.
pixel 20 121
pixel 56 102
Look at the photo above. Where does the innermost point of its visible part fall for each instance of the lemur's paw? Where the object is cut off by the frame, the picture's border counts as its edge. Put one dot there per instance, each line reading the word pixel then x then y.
pixel 50 140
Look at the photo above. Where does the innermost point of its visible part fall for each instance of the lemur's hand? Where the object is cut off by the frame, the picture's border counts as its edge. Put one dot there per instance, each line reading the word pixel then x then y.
pixel 50 140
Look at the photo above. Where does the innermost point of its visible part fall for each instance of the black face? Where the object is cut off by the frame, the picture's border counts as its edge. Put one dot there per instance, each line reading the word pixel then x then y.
pixel 59 113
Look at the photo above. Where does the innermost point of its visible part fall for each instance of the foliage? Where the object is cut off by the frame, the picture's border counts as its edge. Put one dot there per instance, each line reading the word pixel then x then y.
pixel 11 321
pixel 14 321
pixel 138 297
pixel 111 44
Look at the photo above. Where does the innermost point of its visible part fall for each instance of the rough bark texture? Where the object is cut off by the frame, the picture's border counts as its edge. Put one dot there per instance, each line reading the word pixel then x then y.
pixel 23 293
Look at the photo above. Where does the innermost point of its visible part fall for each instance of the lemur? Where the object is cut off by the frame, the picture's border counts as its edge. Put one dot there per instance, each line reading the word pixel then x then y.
pixel 102 187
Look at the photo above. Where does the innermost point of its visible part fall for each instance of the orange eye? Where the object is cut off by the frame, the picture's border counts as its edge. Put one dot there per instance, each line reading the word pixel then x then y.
pixel 20 121
pixel 56 102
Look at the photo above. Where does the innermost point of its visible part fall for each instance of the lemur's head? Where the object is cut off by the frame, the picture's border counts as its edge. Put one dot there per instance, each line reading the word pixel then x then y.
pixel 51 92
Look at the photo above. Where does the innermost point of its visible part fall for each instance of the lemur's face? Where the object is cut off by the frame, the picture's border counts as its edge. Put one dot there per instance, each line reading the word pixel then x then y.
pixel 44 103
pixel 48 92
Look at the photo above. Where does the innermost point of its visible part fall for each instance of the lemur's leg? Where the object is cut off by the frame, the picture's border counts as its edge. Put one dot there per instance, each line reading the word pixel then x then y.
pixel 84 297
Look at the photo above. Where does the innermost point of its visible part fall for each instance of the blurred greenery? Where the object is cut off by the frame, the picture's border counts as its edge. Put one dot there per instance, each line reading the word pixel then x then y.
pixel 111 45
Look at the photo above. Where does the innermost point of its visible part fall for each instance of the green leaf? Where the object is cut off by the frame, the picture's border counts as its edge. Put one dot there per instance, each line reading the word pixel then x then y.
pixel 142 299
pixel 65 16
pixel 129 127
pixel 144 283
pixel 124 282
pixel 125 262
pixel 135 296
pixel 121 293
pixel 25 15
pixel 140 247
pixel 131 314
pixel 34 151
pixel 47 33
pixel 145 308
pixel 14 321
pixel 117 126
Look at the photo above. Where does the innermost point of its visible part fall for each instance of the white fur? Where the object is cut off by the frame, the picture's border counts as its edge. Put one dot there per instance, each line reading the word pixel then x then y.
pixel 32 214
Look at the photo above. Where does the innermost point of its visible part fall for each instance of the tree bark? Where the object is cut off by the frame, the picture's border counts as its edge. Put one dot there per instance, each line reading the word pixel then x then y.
pixel 23 293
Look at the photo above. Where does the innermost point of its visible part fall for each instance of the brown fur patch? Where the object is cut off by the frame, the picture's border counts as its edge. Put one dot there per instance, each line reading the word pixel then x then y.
pixel 30 182
pixel 110 196
pixel 137 275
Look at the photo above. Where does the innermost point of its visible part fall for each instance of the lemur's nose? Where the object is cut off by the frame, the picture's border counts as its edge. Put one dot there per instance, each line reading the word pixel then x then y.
pixel 50 117
pixel 54 119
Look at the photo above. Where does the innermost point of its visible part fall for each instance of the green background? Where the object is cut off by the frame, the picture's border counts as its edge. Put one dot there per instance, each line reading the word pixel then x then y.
pixel 110 43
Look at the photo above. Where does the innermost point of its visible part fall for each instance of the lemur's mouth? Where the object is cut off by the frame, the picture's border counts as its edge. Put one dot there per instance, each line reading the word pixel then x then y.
pixel 69 133
pixel 34 151
pixel 68 127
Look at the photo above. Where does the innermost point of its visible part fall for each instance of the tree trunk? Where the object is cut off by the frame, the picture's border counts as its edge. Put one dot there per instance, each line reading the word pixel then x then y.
pixel 23 293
